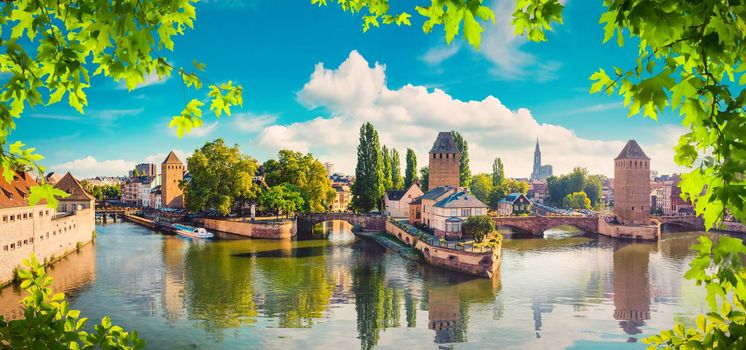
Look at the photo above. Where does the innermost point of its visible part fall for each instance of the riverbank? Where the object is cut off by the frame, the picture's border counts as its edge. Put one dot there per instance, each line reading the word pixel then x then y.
pixel 391 244
pixel 483 261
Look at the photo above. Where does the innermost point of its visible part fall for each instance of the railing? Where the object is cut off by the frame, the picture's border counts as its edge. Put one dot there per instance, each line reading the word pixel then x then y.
pixel 460 245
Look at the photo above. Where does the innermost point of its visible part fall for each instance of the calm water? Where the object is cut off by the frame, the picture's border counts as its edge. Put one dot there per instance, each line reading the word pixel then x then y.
pixel 334 291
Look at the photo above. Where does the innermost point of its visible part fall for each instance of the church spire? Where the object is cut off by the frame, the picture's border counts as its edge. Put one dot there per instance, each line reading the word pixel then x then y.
pixel 537 150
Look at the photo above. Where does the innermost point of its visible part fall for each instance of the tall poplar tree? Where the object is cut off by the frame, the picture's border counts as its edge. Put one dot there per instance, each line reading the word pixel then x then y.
pixel 396 179
pixel 410 173
pixel 425 176
pixel 463 147
pixel 367 190
pixel 386 158
pixel 498 172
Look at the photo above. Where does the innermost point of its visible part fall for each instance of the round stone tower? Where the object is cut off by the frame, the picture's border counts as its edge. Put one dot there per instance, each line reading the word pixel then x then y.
pixel 632 185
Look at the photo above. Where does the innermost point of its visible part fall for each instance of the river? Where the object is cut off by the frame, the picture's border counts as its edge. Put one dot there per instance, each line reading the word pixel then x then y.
pixel 328 289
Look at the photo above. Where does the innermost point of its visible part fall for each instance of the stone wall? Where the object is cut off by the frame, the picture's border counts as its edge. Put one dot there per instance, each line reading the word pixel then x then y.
pixel 632 191
pixel 368 222
pixel 444 170
pixel 35 230
pixel 479 264
pixel 538 224
pixel 647 232
pixel 258 229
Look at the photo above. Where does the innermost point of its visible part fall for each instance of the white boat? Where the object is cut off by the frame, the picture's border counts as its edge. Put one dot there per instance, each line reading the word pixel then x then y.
pixel 191 232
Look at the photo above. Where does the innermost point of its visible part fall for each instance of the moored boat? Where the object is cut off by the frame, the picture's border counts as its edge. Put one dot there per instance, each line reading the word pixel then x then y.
pixel 191 232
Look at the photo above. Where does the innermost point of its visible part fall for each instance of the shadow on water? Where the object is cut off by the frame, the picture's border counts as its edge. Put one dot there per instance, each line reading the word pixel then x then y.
pixel 297 252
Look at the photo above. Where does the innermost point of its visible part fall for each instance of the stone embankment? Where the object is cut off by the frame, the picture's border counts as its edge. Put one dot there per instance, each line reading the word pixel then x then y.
pixel 483 261
pixel 392 244
pixel 266 229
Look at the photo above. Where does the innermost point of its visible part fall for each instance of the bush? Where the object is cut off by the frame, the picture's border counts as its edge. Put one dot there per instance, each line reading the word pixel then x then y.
pixel 49 323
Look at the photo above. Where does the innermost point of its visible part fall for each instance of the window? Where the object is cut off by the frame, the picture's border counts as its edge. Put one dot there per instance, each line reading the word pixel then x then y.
pixel 5 218
pixel 466 212
pixel 454 211
pixel 12 218
pixel 5 247
pixel 25 215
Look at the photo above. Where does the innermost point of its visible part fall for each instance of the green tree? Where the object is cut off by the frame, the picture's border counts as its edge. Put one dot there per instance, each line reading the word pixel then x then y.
pixel 284 197
pixel 481 187
pixel 577 200
pixel 410 173
pixel 496 195
pixel 478 227
pixel 305 172
pixel 463 147
pixel 367 191
pixel 396 179
pixel 559 187
pixel 222 178
pixel 425 178
pixel 386 158
pixel 515 186
pixel 594 189
pixel 498 172
pixel 49 323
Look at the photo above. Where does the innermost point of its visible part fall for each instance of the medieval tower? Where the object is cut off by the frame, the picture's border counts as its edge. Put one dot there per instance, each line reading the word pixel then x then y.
pixel 444 160
pixel 632 185
pixel 172 173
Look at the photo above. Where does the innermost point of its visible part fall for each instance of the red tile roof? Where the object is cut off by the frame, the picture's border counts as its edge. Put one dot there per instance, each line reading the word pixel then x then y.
pixel 16 193
pixel 71 185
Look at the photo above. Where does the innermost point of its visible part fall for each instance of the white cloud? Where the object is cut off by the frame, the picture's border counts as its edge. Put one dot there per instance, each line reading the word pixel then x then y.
pixel 411 117
pixel 250 122
pixel 599 107
pixel 438 54
pixel 202 131
pixel 89 166
pixel 148 80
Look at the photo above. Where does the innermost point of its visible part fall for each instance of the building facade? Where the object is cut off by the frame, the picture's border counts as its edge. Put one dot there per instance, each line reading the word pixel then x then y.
pixel 172 173
pixel 540 172
pixel 444 162
pixel 514 204
pixel 47 233
pixel 396 202
pixel 143 169
pixel 632 185
pixel 342 198
pixel 447 215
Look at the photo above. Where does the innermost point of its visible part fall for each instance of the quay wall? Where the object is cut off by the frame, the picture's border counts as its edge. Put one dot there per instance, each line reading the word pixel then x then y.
pixel 38 231
pixel 140 220
pixel 257 229
pixel 479 264
pixel 646 232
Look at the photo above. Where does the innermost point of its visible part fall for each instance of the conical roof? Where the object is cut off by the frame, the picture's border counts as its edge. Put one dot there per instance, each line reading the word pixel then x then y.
pixel 444 143
pixel 172 159
pixel 632 150
pixel 71 185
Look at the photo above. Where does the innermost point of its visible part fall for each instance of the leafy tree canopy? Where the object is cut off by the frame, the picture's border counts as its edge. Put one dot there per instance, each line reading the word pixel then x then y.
pixel 222 178
pixel 478 227
pixel 305 172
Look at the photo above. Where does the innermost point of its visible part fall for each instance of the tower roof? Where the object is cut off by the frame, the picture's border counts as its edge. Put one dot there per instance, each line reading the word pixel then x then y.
pixel 444 143
pixel 632 150
pixel 172 159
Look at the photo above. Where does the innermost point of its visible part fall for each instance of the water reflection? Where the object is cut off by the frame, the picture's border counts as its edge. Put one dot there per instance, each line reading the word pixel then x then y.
pixel 329 289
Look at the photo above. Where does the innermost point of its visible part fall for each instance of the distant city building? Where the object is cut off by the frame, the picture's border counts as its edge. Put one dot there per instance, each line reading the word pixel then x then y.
pixel 514 204
pixel 444 159
pixel 537 191
pixel 668 197
pixel 136 191
pixel 52 178
pixel 396 202
pixel 144 169
pixel 540 172
pixel 342 198
pixel 27 230
pixel 632 185
pixel 172 173
pixel 156 197
pixel 341 179
pixel 329 168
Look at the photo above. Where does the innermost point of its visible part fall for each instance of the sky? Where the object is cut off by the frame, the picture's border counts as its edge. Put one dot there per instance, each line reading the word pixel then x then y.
pixel 311 78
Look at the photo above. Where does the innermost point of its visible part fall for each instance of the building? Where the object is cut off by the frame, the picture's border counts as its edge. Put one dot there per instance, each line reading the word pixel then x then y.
pixel 342 199
pixel 172 173
pixel 450 212
pixel 632 185
pixel 396 202
pixel 136 191
pixel 47 233
pixel 156 199
pixel 540 172
pixel 444 162
pixel 52 178
pixel 329 168
pixel 537 191
pixel 143 169
pixel 426 202
pixel 514 204
pixel 671 202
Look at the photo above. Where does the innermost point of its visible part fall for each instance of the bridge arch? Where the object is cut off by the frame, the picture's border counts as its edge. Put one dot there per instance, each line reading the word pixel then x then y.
pixel 359 221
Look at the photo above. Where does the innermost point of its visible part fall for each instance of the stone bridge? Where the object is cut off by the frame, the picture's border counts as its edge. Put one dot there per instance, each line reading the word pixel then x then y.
pixel 372 222
pixel 686 221
pixel 538 224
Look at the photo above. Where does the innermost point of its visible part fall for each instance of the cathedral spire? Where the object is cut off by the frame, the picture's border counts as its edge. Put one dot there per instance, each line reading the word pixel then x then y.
pixel 537 150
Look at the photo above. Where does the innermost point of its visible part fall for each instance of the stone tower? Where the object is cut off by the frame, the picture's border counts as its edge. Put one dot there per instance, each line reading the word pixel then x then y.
pixel 444 160
pixel 632 185
pixel 172 173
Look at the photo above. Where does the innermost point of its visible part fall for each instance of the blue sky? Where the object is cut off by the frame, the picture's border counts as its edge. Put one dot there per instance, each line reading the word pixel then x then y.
pixel 311 77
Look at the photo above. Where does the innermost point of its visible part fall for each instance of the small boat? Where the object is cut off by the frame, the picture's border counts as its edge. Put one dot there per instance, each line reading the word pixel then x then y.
pixel 191 232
